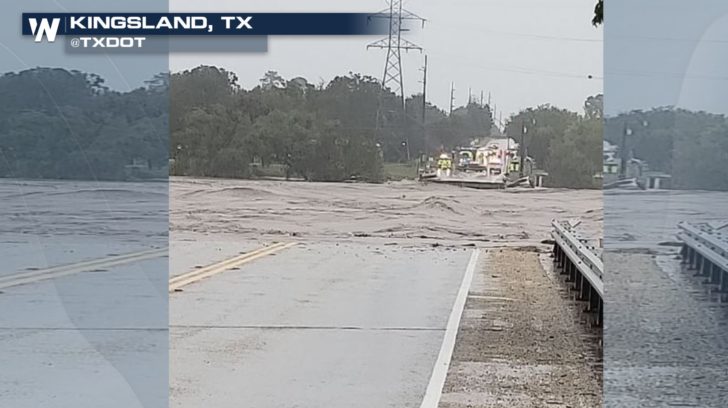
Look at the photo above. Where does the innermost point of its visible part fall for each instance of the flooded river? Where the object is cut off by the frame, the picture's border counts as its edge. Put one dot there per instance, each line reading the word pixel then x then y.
pixel 51 222
pixel 401 213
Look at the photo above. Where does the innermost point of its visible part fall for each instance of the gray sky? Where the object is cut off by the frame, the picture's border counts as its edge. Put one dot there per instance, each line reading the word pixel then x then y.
pixel 524 52
pixel 122 72
pixel 666 53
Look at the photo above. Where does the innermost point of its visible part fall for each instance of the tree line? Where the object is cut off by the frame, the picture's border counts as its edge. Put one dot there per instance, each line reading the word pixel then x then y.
pixel 56 123
pixel 690 146
pixel 566 144
pixel 347 128
pixel 333 131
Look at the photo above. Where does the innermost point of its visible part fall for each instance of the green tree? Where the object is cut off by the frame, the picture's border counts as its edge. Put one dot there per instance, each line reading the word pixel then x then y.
pixel 551 123
pixel 594 107
pixel 56 123
pixel 580 155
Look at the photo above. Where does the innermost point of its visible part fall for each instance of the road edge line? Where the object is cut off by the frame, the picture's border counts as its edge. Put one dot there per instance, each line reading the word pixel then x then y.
pixel 439 371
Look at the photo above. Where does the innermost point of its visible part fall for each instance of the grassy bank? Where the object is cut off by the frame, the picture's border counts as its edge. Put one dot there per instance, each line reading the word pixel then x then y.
pixel 400 171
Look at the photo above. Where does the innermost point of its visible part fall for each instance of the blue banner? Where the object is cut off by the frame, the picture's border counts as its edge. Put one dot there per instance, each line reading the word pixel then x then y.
pixel 249 24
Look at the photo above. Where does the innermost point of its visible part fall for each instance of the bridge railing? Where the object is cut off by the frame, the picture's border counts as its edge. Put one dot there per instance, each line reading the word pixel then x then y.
pixel 705 250
pixel 578 258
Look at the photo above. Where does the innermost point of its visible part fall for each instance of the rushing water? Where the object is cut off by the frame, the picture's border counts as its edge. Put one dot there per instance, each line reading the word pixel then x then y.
pixel 401 213
pixel 644 220
pixel 47 223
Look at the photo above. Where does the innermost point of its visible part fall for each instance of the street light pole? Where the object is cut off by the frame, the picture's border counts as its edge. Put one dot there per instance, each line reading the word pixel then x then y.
pixel 424 107
pixel 626 131
pixel 522 148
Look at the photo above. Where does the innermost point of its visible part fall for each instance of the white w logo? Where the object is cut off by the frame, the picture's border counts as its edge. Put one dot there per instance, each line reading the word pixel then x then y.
pixel 49 29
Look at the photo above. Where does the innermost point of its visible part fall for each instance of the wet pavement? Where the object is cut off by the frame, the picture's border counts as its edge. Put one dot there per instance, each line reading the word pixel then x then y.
pixel 522 341
pixel 318 324
pixel 665 334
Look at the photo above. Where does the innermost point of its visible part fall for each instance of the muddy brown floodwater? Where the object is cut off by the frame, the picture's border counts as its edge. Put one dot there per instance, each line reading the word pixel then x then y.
pixel 404 213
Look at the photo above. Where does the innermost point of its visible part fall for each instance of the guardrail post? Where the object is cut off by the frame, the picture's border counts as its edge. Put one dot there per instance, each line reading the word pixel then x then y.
pixel 705 250
pixel 576 258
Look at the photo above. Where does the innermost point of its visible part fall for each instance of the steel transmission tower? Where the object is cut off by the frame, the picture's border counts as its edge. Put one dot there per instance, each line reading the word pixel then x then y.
pixel 394 44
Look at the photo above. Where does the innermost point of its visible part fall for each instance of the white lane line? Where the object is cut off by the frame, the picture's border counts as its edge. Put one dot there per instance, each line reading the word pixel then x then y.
pixel 439 372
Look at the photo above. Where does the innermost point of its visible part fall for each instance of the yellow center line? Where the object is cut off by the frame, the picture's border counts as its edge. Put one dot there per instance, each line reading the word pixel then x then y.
pixel 230 261
pixel 70 269
pixel 198 274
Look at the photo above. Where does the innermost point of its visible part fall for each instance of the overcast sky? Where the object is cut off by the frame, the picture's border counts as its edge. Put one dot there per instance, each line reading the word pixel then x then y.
pixel 121 72
pixel 524 52
pixel 666 53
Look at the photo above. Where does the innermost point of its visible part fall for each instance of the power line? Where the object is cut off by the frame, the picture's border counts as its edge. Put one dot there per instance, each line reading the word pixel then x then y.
pixel 480 29
pixel 522 70
pixel 678 75
pixel 460 27
pixel 667 39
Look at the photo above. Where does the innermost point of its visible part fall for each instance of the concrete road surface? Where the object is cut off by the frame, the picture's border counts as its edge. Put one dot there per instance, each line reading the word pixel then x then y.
pixel 92 338
pixel 315 325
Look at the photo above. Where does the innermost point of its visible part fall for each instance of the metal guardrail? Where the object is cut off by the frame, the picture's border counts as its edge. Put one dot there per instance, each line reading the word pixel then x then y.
pixel 705 250
pixel 577 258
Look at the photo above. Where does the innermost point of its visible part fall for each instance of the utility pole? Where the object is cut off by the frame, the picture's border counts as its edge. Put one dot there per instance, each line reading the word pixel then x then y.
pixel 626 131
pixel 424 91
pixel 522 147
pixel 523 150
pixel 424 105
pixel 394 44
pixel 452 96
